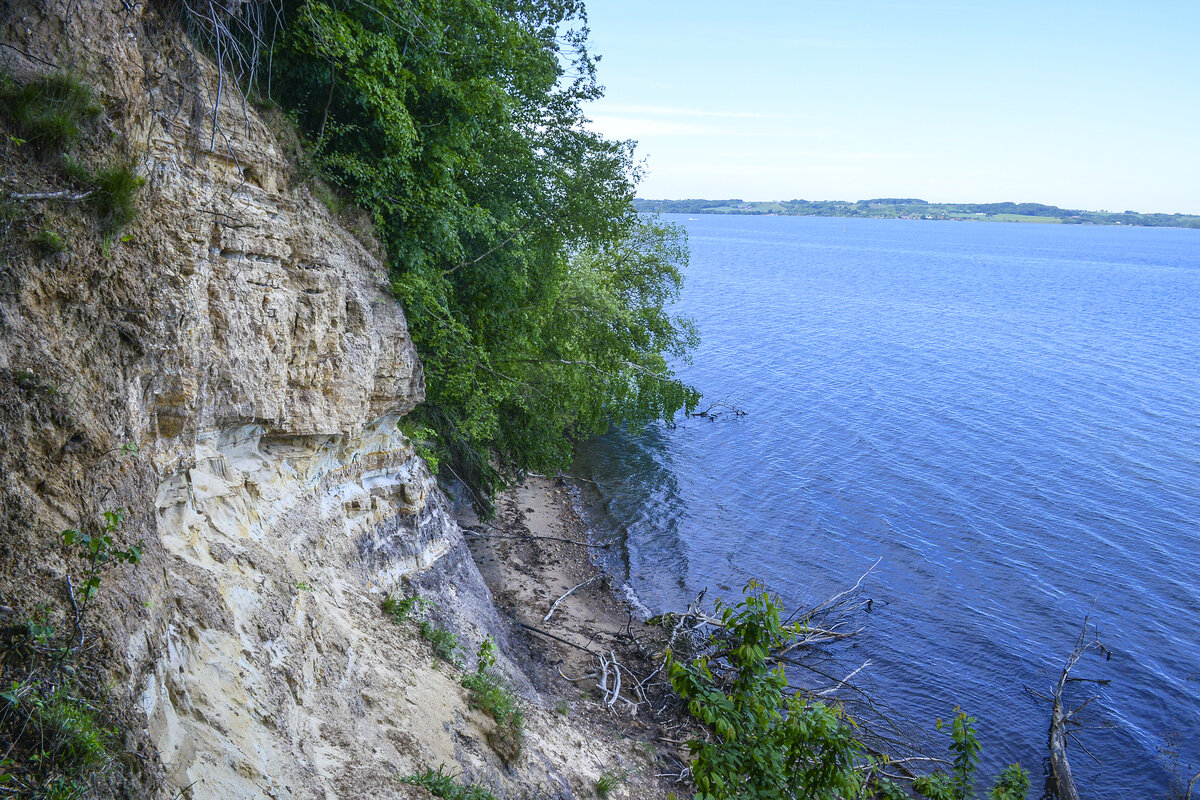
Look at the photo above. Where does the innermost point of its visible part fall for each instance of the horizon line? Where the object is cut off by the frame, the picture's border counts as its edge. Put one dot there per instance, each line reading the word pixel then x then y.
pixel 926 202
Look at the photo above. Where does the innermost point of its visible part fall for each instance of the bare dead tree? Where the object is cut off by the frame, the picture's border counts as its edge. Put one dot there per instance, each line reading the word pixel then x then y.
pixel 1059 782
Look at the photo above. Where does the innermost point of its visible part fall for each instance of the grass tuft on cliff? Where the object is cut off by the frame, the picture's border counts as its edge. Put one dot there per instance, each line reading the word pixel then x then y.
pixel 48 112
pixel 442 784
pixel 47 115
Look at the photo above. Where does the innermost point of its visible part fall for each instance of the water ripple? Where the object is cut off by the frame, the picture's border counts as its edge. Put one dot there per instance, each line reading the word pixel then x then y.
pixel 1006 413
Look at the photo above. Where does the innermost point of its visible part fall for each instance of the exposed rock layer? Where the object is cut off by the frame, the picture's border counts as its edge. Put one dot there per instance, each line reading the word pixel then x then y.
pixel 244 345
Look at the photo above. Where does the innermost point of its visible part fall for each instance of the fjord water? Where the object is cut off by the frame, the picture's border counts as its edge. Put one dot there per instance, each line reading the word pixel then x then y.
pixel 1007 414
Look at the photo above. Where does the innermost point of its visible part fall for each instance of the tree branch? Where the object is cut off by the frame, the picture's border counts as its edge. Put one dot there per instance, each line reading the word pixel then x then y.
pixel 476 260
pixel 65 196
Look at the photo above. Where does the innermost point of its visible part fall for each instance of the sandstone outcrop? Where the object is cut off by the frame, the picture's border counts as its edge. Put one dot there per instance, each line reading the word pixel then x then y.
pixel 232 372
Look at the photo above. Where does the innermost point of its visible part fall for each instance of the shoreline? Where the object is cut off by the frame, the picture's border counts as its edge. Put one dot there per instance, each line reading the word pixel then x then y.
pixel 535 556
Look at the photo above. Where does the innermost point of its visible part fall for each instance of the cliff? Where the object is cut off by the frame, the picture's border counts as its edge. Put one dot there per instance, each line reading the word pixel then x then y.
pixel 231 371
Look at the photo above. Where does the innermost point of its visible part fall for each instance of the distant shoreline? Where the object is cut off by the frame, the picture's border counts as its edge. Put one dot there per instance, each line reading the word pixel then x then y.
pixel 912 208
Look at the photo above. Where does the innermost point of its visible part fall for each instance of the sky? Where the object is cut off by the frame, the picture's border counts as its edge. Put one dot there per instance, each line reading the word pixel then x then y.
pixel 1081 105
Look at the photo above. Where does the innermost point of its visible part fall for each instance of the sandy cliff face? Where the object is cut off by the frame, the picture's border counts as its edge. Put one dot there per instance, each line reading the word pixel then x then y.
pixel 246 344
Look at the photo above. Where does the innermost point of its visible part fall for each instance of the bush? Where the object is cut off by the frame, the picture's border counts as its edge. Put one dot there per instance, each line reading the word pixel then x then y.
pixel 113 191
pixel 67 723
pixel 492 697
pixel 767 743
pixel 54 741
pixel 399 608
pixel 489 694
pixel 1011 784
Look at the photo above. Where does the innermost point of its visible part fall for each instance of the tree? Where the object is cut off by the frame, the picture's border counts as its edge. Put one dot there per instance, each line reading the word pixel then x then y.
pixel 536 295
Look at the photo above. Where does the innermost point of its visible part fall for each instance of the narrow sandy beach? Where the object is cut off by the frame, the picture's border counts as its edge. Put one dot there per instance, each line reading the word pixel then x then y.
pixel 535 556
pixel 533 553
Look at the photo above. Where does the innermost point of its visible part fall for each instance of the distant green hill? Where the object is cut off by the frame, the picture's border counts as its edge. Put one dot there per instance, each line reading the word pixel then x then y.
pixel 913 208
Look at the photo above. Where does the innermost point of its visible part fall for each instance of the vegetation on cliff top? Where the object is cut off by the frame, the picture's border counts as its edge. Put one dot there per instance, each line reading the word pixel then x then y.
pixel 537 296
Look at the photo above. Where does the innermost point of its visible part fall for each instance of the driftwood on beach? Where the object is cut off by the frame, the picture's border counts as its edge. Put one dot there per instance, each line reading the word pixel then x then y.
pixel 628 686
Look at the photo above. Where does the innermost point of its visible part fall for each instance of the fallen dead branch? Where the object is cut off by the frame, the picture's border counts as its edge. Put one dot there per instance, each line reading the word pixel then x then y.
pixel 65 196
pixel 1060 782
pixel 843 681
pixel 711 415
pixel 549 635
pixel 610 666
pixel 824 623
pixel 568 593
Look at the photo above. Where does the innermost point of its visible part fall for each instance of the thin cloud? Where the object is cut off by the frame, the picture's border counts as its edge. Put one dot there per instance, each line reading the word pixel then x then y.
pixel 774 158
pixel 619 127
pixel 862 156
pixel 669 111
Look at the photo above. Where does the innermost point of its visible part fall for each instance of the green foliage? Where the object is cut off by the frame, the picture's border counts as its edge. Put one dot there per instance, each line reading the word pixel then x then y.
pixel 68 725
pixel 424 440
pixel 965 746
pixel 485 656
pixel 445 643
pixel 605 784
pixel 55 741
pixel 47 112
pixel 399 608
pixel 767 744
pixel 113 191
pixel 98 550
pixel 49 242
pixel 113 194
pixel 489 694
pixel 886 789
pixel 441 784
pixel 1011 784
pixel 458 126
pixel 936 786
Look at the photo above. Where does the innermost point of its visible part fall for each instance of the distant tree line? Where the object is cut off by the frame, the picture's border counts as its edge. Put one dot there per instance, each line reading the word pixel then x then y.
pixel 914 208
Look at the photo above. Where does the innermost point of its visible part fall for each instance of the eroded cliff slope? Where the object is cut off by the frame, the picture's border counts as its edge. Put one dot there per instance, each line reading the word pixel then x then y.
pixel 231 372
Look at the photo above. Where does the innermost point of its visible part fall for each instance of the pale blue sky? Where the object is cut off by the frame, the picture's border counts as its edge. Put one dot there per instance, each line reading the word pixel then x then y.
pixel 1082 105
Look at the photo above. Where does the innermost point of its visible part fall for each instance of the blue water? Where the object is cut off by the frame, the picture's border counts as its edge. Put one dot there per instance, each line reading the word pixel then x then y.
pixel 1008 415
